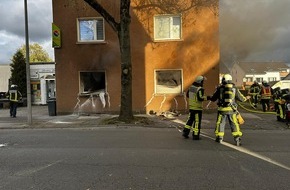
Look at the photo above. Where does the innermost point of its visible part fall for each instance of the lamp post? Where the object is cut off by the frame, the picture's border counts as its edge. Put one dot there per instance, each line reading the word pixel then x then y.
pixel 29 110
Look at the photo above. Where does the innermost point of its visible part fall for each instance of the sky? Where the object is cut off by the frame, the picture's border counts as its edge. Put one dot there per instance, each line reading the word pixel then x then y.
pixel 254 30
pixel 250 30
pixel 12 26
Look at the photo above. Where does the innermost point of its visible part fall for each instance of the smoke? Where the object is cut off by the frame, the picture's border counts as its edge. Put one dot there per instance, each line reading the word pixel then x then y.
pixel 254 30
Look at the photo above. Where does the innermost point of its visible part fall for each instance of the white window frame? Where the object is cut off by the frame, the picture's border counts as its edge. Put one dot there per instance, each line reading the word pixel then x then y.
pixel 270 79
pixel 249 79
pixel 172 90
pixel 94 21
pixel 259 79
pixel 177 35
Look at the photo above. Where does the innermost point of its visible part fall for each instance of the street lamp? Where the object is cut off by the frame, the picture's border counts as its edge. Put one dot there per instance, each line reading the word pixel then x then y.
pixel 29 110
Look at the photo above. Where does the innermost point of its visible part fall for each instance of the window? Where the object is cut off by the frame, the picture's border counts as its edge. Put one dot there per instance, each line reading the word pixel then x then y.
pixel 167 27
pixel 270 79
pixel 91 30
pixel 92 82
pixel 168 81
pixel 248 79
pixel 259 79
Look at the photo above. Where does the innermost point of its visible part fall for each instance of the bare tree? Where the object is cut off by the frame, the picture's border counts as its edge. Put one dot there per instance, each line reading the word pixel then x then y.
pixel 123 31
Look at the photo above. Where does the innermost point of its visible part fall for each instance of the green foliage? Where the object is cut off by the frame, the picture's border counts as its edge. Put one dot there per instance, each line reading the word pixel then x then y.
pixel 18 72
pixel 36 53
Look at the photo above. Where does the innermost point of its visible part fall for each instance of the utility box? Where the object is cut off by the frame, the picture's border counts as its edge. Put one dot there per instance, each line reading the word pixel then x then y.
pixel 51 106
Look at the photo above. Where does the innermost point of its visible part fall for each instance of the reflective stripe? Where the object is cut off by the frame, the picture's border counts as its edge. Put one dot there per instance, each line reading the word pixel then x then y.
pixel 225 109
pixel 236 133
pixel 196 123
pixel 187 127
pixel 218 124
pixel 281 113
pixel 13 95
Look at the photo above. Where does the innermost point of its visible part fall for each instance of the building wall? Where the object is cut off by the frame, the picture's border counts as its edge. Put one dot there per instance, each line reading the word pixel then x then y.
pixel 196 54
pixel 266 76
pixel 238 75
pixel 5 74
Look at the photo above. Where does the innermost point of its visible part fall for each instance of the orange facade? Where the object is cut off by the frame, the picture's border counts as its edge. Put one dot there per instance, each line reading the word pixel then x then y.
pixel 169 48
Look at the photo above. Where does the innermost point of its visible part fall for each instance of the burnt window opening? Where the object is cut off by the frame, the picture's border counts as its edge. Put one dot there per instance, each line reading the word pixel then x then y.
pixel 168 81
pixel 92 82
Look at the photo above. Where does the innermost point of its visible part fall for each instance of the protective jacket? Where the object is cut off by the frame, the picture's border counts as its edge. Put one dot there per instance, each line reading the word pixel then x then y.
pixel 14 95
pixel 196 96
pixel 266 92
pixel 255 89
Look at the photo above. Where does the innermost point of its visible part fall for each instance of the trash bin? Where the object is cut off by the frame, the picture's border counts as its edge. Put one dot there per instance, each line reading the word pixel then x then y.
pixel 51 106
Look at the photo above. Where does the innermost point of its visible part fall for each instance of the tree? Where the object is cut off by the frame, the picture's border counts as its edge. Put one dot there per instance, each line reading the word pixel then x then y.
pixel 36 53
pixel 123 31
pixel 122 28
pixel 18 72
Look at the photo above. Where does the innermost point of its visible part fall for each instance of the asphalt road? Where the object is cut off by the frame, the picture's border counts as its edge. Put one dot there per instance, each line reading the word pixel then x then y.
pixel 105 158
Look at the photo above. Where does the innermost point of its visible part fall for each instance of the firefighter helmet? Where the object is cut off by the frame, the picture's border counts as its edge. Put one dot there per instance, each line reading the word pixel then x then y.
pixel 227 78
pixel 199 79
pixel 264 82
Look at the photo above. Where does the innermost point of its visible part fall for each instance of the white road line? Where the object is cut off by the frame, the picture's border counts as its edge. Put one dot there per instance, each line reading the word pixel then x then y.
pixel 31 171
pixel 3 145
pixel 242 149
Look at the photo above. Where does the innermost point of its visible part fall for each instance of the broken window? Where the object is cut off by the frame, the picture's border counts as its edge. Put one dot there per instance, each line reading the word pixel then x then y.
pixel 168 81
pixel 92 82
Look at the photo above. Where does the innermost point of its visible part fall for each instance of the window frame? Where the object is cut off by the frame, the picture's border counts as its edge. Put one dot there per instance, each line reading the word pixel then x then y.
pixel 81 83
pixel 95 19
pixel 171 38
pixel 259 79
pixel 271 79
pixel 168 93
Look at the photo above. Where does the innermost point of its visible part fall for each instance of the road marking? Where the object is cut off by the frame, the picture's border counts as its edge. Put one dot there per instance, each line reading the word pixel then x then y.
pixel 246 151
pixel 242 149
pixel 3 145
pixel 31 171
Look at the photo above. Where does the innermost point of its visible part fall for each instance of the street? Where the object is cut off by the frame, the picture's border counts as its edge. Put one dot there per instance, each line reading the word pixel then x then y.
pixel 141 158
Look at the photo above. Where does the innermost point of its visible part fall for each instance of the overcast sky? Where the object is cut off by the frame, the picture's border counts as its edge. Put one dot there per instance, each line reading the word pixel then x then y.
pixel 12 26
pixel 250 30
pixel 255 30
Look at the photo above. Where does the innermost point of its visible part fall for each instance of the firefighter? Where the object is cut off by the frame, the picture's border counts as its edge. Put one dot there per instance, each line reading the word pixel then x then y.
pixel 254 92
pixel 276 98
pixel 14 97
pixel 226 94
pixel 281 104
pixel 196 96
pixel 266 94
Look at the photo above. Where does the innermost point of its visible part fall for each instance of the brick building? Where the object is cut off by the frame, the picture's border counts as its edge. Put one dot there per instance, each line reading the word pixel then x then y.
pixel 170 46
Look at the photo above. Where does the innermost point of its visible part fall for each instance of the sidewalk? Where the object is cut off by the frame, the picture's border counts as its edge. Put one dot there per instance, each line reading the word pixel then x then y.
pixel 41 119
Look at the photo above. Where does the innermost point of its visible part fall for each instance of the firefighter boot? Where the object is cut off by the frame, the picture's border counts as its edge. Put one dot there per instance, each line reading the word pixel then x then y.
pixel 195 137
pixel 219 139
pixel 185 133
pixel 238 141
